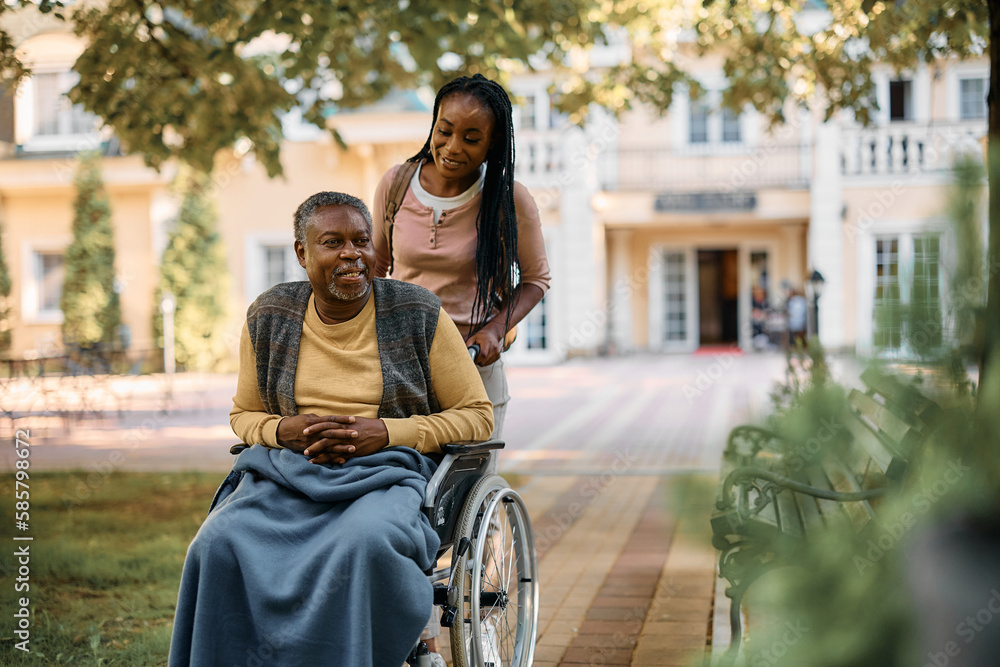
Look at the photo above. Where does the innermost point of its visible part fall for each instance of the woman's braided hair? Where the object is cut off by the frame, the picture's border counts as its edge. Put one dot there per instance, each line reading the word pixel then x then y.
pixel 496 222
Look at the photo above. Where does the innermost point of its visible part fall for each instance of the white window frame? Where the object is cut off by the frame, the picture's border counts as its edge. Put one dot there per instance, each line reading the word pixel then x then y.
pixel 30 250
pixel 744 295
pixel 953 76
pixel 866 255
pixel 909 110
pixel 680 122
pixel 537 96
pixel 24 120
pixel 254 257
pixel 657 307
pixel 519 353
pixel 920 92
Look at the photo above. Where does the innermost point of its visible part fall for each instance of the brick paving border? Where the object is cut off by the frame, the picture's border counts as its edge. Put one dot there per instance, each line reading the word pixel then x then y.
pixel 613 622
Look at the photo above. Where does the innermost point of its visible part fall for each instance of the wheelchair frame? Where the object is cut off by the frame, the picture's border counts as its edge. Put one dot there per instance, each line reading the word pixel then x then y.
pixel 472 510
pixel 489 592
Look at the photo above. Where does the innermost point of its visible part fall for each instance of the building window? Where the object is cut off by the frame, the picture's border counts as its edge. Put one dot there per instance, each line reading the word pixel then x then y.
pixel 675 291
pixel 698 122
pixel 528 121
pixel 972 99
pixel 270 261
pixel 535 327
pixel 275 265
pixel 908 311
pixel 888 306
pixel 709 123
pixel 900 100
pixel 50 270
pixel 925 322
pixel 54 114
pixel 730 126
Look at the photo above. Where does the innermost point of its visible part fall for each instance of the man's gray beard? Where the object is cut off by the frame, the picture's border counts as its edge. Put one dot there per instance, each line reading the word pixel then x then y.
pixel 341 295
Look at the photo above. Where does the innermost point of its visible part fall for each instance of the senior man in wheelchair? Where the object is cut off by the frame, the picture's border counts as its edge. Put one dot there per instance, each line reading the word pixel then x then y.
pixel 315 549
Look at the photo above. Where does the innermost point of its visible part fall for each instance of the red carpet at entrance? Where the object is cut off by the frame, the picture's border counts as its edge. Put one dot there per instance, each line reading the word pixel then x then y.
pixel 712 350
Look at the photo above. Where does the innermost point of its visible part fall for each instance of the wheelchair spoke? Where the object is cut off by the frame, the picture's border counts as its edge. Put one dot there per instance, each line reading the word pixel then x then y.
pixel 498 617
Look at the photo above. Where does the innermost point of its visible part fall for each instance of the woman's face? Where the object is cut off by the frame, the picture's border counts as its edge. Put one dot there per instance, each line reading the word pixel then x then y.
pixel 461 138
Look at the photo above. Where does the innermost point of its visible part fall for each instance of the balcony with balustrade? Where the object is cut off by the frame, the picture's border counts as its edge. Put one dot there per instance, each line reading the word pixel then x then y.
pixel 908 148
pixel 714 168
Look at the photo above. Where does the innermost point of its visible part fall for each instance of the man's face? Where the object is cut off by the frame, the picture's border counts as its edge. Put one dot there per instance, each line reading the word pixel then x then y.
pixel 338 254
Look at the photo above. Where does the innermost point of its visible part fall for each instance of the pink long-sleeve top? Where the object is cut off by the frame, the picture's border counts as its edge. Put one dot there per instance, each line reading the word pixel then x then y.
pixel 442 256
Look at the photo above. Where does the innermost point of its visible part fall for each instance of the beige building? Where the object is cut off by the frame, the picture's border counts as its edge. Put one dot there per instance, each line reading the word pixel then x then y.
pixel 664 234
pixel 703 221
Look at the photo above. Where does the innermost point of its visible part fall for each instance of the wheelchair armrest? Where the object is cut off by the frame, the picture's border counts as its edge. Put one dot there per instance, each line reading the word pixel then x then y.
pixel 471 446
pixel 236 449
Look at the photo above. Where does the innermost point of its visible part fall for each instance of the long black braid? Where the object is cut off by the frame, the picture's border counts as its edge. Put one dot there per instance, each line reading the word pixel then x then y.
pixel 496 222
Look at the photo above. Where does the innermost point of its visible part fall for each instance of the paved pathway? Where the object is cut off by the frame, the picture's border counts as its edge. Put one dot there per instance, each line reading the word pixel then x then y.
pixel 596 447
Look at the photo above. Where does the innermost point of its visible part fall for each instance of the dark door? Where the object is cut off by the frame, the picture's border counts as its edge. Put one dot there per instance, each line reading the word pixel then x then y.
pixel 718 289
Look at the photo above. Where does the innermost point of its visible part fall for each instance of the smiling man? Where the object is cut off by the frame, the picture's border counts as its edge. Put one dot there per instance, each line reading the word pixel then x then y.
pixel 376 362
pixel 346 382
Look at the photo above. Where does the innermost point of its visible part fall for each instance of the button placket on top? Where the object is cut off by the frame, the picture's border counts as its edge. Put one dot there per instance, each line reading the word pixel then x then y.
pixel 434 227
pixel 434 231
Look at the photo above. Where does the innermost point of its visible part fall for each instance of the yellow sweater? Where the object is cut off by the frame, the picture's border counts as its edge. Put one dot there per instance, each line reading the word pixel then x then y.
pixel 339 373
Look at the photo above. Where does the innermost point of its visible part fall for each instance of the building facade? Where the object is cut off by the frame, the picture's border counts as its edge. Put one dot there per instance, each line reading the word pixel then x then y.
pixel 664 234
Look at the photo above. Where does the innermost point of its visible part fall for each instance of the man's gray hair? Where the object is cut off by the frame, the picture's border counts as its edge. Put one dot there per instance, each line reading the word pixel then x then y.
pixel 304 213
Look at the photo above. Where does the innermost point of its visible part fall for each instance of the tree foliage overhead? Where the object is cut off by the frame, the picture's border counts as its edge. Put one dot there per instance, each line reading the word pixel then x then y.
pixel 828 55
pixel 89 302
pixel 11 67
pixel 183 78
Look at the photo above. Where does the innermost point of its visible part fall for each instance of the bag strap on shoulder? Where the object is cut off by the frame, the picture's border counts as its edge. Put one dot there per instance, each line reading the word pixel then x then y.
pixel 394 200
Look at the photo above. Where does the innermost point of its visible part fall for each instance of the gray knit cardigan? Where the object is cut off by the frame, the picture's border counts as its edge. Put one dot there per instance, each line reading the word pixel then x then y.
pixel 406 318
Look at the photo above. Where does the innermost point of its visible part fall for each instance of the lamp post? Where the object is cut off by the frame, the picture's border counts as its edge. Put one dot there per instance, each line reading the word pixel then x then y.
pixel 816 282
pixel 168 305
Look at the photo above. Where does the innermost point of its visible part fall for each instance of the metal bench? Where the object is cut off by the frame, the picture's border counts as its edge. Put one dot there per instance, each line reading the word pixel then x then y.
pixel 776 494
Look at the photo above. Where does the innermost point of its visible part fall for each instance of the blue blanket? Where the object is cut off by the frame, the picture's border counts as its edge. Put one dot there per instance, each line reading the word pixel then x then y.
pixel 300 564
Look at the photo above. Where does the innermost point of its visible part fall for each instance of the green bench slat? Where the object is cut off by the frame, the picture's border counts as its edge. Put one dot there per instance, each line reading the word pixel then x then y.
pixel 842 479
pixel 828 510
pixel 876 443
pixel 903 399
pixel 789 520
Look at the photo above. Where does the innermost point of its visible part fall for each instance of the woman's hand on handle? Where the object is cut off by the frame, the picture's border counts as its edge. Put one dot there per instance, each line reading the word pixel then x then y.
pixel 490 343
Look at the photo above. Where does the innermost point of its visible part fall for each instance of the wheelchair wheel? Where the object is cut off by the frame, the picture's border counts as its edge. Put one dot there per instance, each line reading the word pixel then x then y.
pixel 498 584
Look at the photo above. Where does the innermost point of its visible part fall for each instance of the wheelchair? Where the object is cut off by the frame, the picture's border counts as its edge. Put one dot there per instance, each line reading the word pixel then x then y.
pixel 489 591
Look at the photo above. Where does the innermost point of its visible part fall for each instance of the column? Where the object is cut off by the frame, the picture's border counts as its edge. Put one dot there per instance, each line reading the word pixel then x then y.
pixel 825 245
pixel 581 251
pixel 621 288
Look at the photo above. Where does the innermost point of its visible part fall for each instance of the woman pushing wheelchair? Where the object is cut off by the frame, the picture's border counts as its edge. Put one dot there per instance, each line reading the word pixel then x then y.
pixel 453 219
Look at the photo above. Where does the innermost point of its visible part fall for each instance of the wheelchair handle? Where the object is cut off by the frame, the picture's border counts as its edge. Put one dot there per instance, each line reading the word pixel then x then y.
pixel 474 351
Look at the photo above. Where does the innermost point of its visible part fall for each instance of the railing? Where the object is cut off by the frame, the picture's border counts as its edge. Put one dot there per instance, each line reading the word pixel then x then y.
pixel 715 168
pixel 908 148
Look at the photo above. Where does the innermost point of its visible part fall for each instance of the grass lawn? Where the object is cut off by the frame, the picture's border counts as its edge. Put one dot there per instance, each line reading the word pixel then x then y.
pixel 105 564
